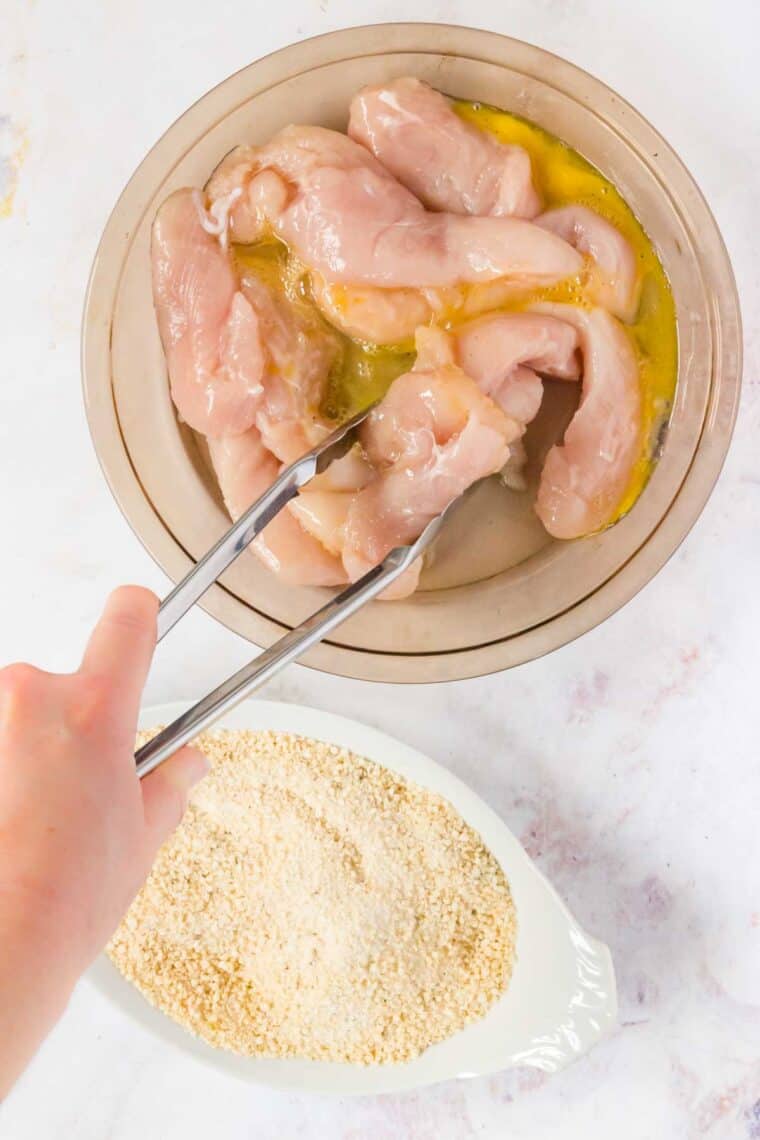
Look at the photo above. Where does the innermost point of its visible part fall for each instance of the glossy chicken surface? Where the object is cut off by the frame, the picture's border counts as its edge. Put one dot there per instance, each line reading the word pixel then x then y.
pixel 507 355
pixel 245 468
pixel 418 231
pixel 449 165
pixel 298 354
pixel 349 219
pixel 585 477
pixel 209 330
pixel 379 316
pixel 433 435
pixel 613 278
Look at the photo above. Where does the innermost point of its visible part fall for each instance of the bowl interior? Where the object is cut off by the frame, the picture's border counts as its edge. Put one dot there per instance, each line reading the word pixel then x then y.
pixel 496 580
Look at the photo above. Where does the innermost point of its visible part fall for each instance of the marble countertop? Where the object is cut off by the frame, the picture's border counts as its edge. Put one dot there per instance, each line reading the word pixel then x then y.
pixel 627 762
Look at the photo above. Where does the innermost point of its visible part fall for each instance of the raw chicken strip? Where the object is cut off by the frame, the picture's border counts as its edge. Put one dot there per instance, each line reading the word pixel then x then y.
pixel 298 356
pixel 585 477
pixel 296 556
pixel 347 218
pixel 323 515
pixel 322 506
pixel 392 316
pixel 209 331
pixel 248 195
pixel 378 316
pixel 245 468
pixel 349 473
pixel 239 355
pixel 614 282
pixel 503 352
pixel 432 436
pixel 447 163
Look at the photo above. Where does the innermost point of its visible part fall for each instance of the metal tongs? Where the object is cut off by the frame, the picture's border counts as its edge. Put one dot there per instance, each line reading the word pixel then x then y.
pixel 205 572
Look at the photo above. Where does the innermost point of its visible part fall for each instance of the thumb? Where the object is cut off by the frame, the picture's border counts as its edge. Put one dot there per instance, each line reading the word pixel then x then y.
pixel 165 794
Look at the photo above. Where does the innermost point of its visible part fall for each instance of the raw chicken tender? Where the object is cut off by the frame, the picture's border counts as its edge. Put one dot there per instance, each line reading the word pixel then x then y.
pixel 298 355
pixel 347 218
pixel 378 316
pixel 323 515
pixel 614 282
pixel 210 332
pixel 237 358
pixel 238 354
pixel 247 195
pixel 503 353
pixel 322 506
pixel 585 477
pixel 322 509
pixel 433 435
pixel 245 468
pixel 392 316
pixel 446 162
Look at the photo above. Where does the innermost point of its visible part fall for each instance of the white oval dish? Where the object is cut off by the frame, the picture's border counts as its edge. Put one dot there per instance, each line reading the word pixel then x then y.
pixel 561 999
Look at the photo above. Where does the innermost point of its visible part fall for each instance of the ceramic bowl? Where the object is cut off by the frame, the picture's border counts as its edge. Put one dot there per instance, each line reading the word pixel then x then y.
pixel 561 999
pixel 499 591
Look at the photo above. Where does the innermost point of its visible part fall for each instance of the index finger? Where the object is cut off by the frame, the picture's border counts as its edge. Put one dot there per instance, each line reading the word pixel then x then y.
pixel 121 646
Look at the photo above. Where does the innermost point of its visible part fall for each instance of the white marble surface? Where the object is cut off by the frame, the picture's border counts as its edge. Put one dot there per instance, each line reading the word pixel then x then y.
pixel 627 762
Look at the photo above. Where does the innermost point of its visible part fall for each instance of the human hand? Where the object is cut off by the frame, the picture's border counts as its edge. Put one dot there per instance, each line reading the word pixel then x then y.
pixel 78 830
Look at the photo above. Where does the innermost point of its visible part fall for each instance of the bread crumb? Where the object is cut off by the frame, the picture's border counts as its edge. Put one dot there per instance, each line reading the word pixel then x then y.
pixel 315 904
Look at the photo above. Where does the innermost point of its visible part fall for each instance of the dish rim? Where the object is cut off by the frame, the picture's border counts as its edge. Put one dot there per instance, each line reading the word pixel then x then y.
pixel 590 1013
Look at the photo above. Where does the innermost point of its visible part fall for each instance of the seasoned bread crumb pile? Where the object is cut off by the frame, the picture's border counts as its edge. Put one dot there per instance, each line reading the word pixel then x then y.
pixel 315 904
